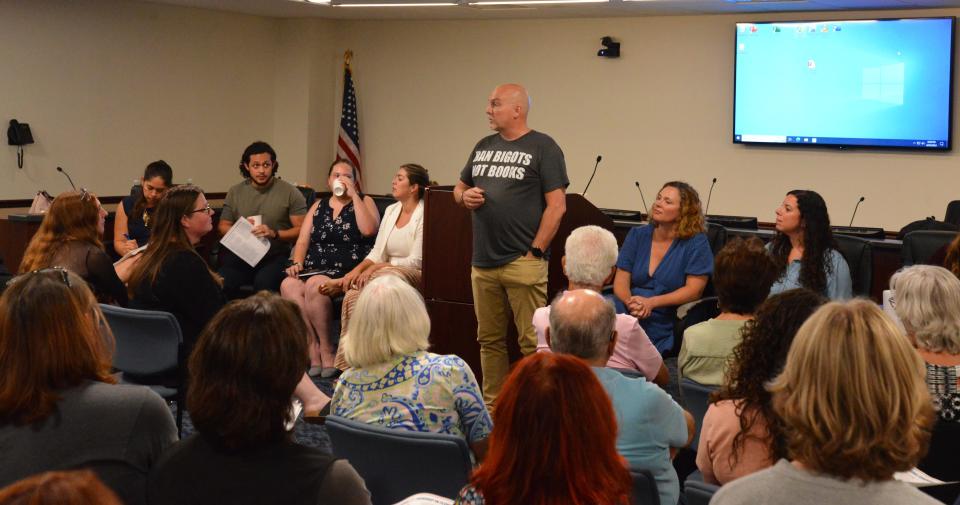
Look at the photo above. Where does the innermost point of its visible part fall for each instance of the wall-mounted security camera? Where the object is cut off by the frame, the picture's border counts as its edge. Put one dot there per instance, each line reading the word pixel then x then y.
pixel 610 49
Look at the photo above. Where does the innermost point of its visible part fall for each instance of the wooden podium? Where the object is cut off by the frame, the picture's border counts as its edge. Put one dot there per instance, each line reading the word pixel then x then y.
pixel 447 252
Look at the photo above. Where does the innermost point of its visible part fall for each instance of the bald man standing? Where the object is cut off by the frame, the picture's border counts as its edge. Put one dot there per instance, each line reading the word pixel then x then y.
pixel 514 182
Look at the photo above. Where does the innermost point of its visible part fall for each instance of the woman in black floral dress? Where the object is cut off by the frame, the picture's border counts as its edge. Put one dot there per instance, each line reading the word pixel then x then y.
pixel 336 235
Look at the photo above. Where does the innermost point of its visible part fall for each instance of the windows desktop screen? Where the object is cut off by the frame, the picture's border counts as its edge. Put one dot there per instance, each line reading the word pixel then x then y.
pixel 871 83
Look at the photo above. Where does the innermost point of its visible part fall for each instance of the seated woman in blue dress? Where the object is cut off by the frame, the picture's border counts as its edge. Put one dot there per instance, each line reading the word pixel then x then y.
pixel 393 382
pixel 131 226
pixel 804 249
pixel 665 263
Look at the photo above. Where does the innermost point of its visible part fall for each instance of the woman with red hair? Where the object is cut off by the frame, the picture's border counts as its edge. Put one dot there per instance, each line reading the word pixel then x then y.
pixel 553 441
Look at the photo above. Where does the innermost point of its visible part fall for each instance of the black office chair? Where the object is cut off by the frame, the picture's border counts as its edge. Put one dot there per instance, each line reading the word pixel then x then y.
pixel 308 194
pixel 147 345
pixel 952 215
pixel 859 256
pixel 696 398
pixel 698 492
pixel 920 245
pixel 431 462
pixel 383 202
pixel 716 236
pixel 644 488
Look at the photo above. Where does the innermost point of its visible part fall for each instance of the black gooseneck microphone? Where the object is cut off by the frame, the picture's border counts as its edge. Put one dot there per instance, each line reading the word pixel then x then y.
pixel 855 210
pixel 64 172
pixel 706 211
pixel 595 165
pixel 642 199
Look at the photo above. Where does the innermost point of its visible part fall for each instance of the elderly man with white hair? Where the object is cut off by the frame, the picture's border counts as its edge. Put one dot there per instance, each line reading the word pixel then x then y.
pixel 651 424
pixel 589 263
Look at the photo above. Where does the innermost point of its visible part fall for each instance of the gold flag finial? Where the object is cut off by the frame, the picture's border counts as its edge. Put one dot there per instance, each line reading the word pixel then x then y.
pixel 347 56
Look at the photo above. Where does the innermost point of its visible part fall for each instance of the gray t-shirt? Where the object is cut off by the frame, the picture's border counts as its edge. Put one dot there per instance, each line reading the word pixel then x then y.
pixel 118 431
pixel 785 484
pixel 275 203
pixel 514 175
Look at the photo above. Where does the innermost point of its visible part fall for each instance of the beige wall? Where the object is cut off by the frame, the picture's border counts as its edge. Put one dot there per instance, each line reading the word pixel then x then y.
pixel 662 111
pixel 109 85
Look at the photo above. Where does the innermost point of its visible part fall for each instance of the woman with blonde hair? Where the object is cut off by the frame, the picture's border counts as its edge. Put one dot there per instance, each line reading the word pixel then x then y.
pixel 59 406
pixel 69 236
pixel 855 410
pixel 664 264
pixel 394 382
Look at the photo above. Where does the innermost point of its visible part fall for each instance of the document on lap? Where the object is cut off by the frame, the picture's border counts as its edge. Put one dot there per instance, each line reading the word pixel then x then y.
pixel 242 242
pixel 130 254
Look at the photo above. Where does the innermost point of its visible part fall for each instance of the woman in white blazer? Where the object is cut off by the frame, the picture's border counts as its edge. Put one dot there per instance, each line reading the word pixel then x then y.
pixel 399 246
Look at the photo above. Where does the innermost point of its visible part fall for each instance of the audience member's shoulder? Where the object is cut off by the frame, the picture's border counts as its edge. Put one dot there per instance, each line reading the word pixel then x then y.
pixel 447 361
pixel 115 397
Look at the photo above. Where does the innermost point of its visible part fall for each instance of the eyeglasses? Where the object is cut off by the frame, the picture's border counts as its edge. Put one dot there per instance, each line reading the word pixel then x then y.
pixel 207 209
pixel 60 271
pixel 85 194
pixel 256 165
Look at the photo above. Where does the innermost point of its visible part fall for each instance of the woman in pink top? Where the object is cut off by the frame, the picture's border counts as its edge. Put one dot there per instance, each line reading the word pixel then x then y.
pixel 741 434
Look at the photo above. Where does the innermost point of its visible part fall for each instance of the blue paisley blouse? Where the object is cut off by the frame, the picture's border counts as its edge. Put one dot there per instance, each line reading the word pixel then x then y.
pixel 336 244
pixel 417 392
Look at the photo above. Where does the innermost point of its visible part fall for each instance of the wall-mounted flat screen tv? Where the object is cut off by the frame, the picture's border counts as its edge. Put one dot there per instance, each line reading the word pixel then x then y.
pixel 876 83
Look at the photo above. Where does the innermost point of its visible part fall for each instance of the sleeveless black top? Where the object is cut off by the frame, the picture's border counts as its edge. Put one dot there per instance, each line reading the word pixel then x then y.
pixel 336 245
pixel 137 228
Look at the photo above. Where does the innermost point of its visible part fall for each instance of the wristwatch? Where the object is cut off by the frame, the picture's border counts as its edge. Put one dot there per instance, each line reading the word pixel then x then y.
pixel 536 252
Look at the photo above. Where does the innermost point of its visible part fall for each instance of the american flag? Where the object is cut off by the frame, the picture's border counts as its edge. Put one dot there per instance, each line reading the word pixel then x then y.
pixel 348 143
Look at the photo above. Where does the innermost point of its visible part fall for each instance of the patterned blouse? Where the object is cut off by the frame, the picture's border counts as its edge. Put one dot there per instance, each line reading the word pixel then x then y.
pixel 942 384
pixel 418 392
pixel 469 495
pixel 336 244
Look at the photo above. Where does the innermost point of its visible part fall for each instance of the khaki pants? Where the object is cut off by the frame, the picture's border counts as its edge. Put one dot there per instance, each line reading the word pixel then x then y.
pixel 522 284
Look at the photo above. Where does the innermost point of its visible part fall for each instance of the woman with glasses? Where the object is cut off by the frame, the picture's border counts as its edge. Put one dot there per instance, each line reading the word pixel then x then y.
pixel 173 278
pixel 59 406
pixel 131 225
pixel 69 236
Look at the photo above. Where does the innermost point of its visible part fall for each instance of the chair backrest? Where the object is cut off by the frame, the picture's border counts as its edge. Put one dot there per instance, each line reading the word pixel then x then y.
pixel 716 236
pixel 952 215
pixel 698 492
pixel 644 488
pixel 147 340
pixel 859 255
pixel 383 202
pixel 396 463
pixel 309 194
pixel 696 398
pixel 920 245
